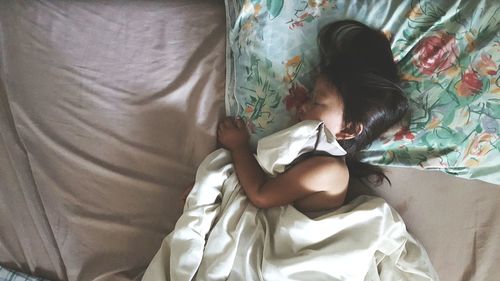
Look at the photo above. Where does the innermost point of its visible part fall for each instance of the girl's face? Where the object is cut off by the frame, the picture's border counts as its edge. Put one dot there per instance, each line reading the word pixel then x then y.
pixel 326 105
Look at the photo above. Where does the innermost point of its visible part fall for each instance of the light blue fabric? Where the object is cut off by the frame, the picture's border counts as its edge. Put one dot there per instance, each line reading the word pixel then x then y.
pixel 9 275
pixel 448 52
pixel 262 45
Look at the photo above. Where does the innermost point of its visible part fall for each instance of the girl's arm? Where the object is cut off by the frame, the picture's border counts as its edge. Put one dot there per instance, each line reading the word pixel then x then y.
pixel 233 135
pixel 305 178
pixel 250 174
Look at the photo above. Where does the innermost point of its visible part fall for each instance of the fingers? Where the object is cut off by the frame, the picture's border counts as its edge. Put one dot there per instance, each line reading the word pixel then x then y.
pixel 223 125
pixel 239 123
pixel 231 122
pixel 228 123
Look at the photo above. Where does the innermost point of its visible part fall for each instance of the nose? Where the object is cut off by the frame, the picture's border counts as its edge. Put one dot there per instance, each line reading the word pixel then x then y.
pixel 302 109
pixel 304 106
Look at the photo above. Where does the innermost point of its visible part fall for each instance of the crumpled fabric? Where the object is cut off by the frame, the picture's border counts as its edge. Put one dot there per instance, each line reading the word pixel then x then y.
pixel 221 235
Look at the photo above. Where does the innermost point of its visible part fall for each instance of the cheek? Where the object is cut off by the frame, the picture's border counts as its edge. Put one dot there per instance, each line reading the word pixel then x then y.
pixel 334 123
pixel 312 113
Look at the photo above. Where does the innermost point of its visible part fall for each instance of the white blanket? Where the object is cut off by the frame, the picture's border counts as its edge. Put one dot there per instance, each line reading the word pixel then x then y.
pixel 222 236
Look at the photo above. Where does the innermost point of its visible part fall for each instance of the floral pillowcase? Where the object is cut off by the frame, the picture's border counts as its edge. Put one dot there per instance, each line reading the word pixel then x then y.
pixel 448 53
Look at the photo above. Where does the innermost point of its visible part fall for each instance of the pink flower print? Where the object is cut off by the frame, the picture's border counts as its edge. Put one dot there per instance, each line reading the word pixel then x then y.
pixel 469 85
pixel 485 65
pixel 404 133
pixel 435 53
pixel 297 97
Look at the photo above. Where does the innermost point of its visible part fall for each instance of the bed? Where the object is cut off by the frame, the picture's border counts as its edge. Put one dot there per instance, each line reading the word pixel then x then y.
pixel 107 109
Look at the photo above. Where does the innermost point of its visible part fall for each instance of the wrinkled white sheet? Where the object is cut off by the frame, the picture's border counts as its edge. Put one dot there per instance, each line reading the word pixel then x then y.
pixel 222 236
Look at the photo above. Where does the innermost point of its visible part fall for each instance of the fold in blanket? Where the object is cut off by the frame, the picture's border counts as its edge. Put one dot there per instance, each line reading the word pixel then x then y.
pixel 222 236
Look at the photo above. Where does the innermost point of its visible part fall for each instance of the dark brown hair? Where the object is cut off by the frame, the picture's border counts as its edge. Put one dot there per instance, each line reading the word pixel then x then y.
pixel 358 60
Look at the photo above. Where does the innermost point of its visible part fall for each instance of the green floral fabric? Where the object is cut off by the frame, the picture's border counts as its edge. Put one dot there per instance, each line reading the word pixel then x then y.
pixel 448 53
pixel 10 275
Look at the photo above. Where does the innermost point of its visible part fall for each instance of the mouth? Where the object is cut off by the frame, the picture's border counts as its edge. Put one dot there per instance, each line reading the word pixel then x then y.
pixel 299 115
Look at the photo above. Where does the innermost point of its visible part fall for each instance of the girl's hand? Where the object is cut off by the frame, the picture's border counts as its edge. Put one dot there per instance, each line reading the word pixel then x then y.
pixel 232 134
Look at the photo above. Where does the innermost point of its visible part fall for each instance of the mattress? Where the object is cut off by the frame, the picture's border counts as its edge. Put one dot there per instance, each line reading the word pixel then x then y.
pixel 457 220
pixel 107 108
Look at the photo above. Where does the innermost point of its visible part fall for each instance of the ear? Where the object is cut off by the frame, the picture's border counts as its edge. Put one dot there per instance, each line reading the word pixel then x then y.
pixel 350 131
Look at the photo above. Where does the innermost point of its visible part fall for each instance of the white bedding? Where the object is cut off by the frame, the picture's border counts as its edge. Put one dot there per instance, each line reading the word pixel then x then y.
pixel 222 236
pixel 107 108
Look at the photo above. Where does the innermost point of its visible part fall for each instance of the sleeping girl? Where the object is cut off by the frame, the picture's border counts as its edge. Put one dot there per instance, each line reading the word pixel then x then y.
pixel 248 216
pixel 356 97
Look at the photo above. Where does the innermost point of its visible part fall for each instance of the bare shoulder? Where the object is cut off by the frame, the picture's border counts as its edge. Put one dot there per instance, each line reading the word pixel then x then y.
pixel 322 173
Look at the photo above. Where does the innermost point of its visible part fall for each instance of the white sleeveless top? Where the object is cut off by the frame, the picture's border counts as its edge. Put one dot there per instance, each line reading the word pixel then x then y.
pixel 277 151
